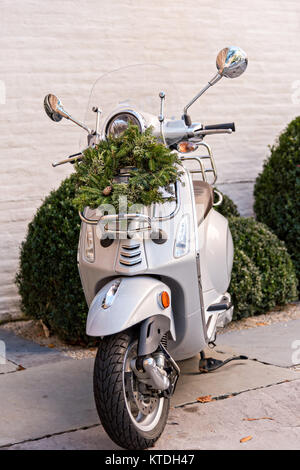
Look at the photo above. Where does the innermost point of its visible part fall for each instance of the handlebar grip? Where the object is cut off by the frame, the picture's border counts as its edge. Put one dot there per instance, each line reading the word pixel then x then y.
pixel 229 125
pixel 74 155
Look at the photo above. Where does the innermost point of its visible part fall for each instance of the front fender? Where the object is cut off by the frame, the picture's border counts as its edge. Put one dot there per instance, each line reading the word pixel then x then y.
pixel 136 299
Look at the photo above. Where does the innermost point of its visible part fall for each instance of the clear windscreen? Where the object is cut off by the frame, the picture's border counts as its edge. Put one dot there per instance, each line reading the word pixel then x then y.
pixel 134 86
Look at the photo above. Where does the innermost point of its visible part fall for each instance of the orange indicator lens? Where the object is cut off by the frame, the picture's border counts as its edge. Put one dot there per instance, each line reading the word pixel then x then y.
pixel 165 299
pixel 186 147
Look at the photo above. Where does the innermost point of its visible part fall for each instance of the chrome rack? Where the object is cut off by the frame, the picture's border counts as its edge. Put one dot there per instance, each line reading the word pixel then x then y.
pixel 201 159
pixel 104 219
pixel 203 171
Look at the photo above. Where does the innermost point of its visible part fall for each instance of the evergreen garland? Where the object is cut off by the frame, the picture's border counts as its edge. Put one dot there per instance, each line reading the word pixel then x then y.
pixel 153 167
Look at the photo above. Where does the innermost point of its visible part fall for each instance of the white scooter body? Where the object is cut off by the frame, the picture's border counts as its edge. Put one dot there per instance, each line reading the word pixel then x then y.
pixel 192 326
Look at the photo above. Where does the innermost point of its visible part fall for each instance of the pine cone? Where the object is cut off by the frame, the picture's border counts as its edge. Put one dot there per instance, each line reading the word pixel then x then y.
pixel 107 190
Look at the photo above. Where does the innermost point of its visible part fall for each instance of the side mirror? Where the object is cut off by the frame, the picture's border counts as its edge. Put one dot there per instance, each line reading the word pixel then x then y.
pixel 51 108
pixel 55 111
pixel 231 62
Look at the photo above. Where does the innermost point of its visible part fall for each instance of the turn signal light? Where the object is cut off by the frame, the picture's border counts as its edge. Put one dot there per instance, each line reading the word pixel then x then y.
pixel 164 299
pixel 186 147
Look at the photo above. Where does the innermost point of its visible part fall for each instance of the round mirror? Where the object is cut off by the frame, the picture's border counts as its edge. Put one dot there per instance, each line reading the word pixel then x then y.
pixel 51 106
pixel 231 62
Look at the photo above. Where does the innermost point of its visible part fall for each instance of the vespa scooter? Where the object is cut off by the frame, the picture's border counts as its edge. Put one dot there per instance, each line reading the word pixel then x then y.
pixel 155 281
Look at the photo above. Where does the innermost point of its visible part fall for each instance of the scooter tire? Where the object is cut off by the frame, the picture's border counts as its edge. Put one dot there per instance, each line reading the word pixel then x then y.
pixel 110 397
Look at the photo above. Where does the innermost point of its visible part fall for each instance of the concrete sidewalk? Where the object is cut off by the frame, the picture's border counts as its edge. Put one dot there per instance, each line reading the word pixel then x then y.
pixel 50 405
pixel 210 426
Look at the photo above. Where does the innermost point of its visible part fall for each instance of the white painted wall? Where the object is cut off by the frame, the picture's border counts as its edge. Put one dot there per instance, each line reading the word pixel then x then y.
pixel 62 47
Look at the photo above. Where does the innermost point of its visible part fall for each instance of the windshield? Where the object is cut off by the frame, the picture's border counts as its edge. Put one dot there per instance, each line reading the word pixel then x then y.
pixel 135 87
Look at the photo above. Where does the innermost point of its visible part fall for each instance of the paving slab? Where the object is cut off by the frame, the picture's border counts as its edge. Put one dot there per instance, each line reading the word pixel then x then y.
pixel 218 425
pixel 234 377
pixel 27 353
pixel 58 397
pixel 221 424
pixel 45 400
pixel 275 344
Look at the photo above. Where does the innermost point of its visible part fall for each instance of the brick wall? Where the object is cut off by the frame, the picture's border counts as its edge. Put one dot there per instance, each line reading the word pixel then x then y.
pixel 62 47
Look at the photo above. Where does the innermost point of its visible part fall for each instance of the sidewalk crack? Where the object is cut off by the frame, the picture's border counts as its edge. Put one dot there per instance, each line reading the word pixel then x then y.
pixel 233 394
pixel 46 436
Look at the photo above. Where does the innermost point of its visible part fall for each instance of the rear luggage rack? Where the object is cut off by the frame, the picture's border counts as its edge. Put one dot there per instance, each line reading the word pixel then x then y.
pixel 199 159
pixel 203 170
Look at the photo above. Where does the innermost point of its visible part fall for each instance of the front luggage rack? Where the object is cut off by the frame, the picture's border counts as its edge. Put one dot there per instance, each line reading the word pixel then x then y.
pixel 119 218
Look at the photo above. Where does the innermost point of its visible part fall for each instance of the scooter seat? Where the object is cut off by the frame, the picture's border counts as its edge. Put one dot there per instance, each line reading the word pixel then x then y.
pixel 204 198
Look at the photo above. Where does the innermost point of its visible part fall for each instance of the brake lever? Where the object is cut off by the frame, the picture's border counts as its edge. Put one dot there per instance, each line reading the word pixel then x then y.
pixel 211 131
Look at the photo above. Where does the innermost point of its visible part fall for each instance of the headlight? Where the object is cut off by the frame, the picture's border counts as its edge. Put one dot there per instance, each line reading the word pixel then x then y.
pixel 119 123
pixel 89 249
pixel 182 241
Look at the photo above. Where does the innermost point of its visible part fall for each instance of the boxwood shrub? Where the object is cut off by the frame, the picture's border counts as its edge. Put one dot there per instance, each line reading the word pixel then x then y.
pixel 49 283
pixel 48 279
pixel 277 191
pixel 245 287
pixel 270 256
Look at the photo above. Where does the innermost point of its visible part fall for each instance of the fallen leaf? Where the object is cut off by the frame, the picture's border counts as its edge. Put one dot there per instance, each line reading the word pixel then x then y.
pixel 245 439
pixel 260 323
pixel 51 345
pixel 257 419
pixel 21 367
pixel 204 399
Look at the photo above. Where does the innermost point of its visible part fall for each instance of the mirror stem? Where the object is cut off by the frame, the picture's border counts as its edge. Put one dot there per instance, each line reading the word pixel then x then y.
pixel 212 82
pixel 83 126
pixel 66 115
pixel 80 124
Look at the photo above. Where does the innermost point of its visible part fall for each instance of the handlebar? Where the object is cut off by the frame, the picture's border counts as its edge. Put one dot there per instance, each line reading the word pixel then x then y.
pixel 76 157
pixel 193 132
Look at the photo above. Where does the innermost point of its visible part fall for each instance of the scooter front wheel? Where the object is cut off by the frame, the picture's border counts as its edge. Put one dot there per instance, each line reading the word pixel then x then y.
pixel 133 419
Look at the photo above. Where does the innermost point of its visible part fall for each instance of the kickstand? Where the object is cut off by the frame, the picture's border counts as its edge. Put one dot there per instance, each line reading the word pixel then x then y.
pixel 209 364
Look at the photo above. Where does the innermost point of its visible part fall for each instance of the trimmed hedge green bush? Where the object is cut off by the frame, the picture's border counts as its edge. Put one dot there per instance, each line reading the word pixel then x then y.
pixel 277 191
pixel 48 278
pixel 245 287
pixel 49 282
pixel 269 255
